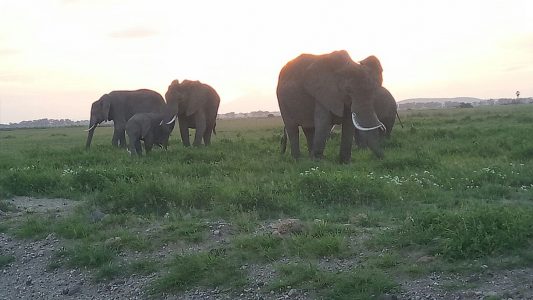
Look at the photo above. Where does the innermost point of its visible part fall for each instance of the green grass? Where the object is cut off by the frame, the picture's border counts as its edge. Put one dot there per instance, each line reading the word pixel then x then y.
pixel 199 270
pixel 355 284
pixel 6 260
pixel 455 184
pixel 474 232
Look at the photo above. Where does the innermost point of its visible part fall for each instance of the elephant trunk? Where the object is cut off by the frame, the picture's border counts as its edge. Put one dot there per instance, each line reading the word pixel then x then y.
pixel 369 128
pixel 371 139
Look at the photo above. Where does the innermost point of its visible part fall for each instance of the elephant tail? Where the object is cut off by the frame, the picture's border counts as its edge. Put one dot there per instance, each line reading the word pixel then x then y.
pixel 214 129
pixel 397 115
pixel 283 142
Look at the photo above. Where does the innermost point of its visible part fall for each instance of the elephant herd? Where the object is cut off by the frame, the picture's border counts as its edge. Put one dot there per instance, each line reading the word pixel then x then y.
pixel 314 92
pixel 144 115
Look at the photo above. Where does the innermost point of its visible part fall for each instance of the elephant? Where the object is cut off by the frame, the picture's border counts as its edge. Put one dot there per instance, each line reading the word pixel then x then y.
pixel 120 106
pixel 196 105
pixel 386 109
pixel 150 128
pixel 317 91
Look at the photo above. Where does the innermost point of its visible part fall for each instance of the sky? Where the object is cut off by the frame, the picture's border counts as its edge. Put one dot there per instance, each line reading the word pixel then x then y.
pixel 59 56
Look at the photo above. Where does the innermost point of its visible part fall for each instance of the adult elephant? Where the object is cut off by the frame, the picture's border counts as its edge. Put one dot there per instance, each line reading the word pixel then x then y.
pixel 120 106
pixel 386 110
pixel 196 105
pixel 317 91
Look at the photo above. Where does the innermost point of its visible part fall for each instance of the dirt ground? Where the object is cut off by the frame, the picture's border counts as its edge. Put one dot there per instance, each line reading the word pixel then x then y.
pixel 29 275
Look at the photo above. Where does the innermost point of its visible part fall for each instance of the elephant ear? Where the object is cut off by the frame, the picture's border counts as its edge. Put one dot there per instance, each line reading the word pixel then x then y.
pixel 106 107
pixel 197 98
pixel 373 65
pixel 322 83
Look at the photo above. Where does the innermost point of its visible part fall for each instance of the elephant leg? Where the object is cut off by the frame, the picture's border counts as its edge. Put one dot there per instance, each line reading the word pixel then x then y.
pixel 122 139
pixel 207 135
pixel 115 139
pixel 131 146
pixel 119 135
pixel 294 138
pixel 137 147
pixel 184 132
pixel 347 133
pixel 309 135
pixel 323 120
pixel 148 143
pixel 201 125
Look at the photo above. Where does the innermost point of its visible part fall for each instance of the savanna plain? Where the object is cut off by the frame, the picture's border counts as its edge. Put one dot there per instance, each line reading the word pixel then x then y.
pixel 451 200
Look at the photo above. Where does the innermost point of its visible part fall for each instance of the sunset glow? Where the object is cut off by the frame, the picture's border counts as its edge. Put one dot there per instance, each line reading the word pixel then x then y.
pixel 57 57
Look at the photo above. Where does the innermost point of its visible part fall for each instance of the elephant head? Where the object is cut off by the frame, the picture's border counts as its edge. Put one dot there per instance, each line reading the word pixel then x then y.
pixel 338 84
pixel 99 113
pixel 185 98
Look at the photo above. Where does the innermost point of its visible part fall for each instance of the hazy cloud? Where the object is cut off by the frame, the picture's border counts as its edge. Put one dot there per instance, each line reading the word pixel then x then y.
pixel 13 77
pixel 133 33
pixel 9 51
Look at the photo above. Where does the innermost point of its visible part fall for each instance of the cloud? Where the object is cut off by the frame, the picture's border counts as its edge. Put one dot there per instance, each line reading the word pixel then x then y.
pixel 133 33
pixel 14 77
pixel 9 51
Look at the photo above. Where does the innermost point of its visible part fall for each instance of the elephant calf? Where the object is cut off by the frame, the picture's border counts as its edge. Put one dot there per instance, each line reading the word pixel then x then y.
pixel 150 128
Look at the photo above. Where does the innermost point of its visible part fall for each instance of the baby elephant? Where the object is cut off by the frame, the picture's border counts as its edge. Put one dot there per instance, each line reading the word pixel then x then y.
pixel 150 128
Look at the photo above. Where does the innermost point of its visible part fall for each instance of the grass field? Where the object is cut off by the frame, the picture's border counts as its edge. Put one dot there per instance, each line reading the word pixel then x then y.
pixel 455 185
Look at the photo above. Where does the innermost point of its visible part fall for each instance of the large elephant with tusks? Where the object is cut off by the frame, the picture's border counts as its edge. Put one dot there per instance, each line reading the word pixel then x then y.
pixel 317 91
pixel 119 107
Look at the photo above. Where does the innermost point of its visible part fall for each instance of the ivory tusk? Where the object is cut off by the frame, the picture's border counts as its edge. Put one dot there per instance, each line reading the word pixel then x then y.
pixel 91 128
pixel 172 121
pixel 359 127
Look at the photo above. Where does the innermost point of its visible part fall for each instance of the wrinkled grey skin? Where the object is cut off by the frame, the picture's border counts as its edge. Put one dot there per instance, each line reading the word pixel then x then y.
pixel 386 110
pixel 196 105
pixel 317 91
pixel 120 106
pixel 150 128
